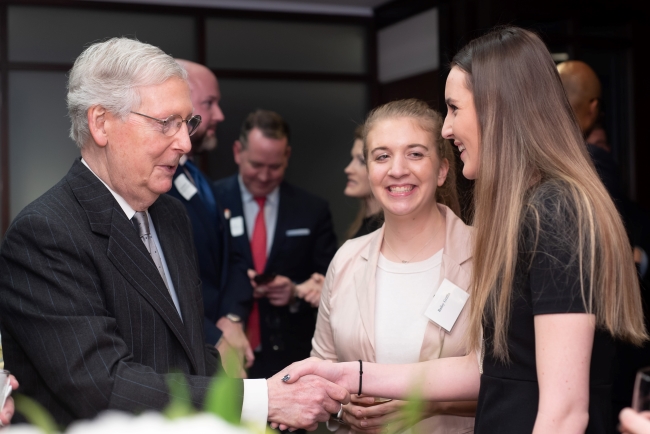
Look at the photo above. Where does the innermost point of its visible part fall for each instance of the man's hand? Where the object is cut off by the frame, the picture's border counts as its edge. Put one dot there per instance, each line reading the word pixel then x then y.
pixel 7 411
pixel 279 291
pixel 234 341
pixel 304 403
pixel 310 289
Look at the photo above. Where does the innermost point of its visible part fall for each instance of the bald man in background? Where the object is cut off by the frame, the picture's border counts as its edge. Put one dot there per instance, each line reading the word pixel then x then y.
pixel 583 89
pixel 226 289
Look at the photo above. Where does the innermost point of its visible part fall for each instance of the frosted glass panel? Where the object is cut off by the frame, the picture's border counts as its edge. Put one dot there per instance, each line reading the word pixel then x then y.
pixel 40 152
pixel 285 46
pixel 59 35
pixel 322 117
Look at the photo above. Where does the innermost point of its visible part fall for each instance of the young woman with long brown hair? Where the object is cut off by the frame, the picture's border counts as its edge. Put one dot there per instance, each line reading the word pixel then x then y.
pixel 554 280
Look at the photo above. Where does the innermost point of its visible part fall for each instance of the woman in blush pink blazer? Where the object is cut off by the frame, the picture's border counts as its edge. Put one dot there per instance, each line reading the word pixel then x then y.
pixel 406 159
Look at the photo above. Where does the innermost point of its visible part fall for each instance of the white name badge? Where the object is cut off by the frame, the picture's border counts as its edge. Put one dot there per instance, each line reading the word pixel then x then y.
pixel 237 226
pixel 447 304
pixel 185 187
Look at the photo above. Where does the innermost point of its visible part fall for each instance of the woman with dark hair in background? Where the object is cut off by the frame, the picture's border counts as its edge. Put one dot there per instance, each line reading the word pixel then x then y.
pixel 379 287
pixel 554 282
pixel 369 217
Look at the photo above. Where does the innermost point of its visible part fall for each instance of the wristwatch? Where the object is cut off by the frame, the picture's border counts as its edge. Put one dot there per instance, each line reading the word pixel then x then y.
pixel 233 317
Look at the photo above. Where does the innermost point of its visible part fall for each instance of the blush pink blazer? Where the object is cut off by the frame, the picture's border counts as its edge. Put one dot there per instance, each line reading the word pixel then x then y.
pixel 345 329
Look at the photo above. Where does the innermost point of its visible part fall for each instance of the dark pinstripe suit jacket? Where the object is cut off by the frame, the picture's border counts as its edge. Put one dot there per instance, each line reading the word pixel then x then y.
pixel 87 322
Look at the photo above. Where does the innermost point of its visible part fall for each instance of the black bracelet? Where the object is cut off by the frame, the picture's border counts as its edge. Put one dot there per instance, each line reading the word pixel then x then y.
pixel 360 375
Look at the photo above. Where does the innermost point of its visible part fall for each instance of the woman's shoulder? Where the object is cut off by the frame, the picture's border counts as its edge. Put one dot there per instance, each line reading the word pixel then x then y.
pixel 357 248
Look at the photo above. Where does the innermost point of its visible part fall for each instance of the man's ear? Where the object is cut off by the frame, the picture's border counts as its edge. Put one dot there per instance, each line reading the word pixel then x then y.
pixel 288 152
pixel 594 108
pixel 237 149
pixel 96 124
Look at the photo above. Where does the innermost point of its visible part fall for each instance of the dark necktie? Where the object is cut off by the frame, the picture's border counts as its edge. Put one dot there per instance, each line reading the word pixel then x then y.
pixel 258 249
pixel 141 223
pixel 203 186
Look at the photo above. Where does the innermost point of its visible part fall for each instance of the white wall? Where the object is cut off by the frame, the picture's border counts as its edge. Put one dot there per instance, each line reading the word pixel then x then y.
pixel 409 48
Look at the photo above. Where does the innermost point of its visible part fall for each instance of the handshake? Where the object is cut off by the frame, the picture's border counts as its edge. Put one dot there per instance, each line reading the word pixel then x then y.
pixel 306 393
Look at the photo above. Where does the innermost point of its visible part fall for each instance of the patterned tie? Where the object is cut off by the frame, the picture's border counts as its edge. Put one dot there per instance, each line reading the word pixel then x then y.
pixel 258 249
pixel 141 223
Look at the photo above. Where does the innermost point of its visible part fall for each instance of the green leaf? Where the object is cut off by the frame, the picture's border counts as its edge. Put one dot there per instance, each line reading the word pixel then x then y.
pixel 35 414
pixel 222 397
pixel 180 403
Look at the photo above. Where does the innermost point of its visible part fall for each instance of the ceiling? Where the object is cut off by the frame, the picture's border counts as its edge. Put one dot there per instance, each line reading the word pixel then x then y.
pixel 336 7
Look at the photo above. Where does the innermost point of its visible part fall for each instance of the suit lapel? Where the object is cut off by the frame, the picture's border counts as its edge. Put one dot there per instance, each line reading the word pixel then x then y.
pixel 366 285
pixel 457 251
pixel 282 223
pixel 181 273
pixel 233 199
pixel 125 249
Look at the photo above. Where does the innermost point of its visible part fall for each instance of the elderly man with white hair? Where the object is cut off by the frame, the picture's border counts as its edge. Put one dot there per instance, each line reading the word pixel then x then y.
pixel 100 296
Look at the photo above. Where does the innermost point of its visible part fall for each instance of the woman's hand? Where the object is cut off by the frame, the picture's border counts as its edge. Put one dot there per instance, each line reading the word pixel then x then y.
pixel 366 416
pixel 633 422
pixel 326 369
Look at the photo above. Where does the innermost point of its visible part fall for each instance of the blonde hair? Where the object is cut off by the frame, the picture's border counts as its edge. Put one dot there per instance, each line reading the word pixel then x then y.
pixel 430 121
pixel 528 138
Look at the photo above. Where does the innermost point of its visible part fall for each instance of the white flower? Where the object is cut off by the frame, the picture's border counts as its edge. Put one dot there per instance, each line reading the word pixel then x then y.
pixel 116 422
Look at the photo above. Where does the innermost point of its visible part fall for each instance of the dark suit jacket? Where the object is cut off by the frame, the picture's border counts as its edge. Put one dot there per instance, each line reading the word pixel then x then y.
pixel 87 322
pixel 224 282
pixel 286 336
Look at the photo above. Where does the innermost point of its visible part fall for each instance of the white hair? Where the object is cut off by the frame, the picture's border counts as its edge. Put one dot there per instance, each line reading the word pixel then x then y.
pixel 109 74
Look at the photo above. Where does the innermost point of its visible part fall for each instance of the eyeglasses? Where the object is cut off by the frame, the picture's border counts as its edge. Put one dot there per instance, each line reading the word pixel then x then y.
pixel 173 123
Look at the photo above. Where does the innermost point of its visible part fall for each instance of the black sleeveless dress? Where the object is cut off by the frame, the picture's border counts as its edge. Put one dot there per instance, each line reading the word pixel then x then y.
pixel 547 281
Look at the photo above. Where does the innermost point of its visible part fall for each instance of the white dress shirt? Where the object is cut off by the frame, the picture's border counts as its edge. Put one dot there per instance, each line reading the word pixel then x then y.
pixel 255 407
pixel 251 208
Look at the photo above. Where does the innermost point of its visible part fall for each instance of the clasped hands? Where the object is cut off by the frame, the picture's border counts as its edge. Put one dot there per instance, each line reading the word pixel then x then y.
pixel 362 413
pixel 281 290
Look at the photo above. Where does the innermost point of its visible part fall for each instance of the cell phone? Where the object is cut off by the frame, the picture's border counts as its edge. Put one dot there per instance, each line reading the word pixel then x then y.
pixel 264 278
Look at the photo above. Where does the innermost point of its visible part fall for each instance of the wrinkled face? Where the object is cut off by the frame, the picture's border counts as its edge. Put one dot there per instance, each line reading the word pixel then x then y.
pixel 358 185
pixel 205 98
pixel 263 163
pixel 461 123
pixel 403 166
pixel 140 159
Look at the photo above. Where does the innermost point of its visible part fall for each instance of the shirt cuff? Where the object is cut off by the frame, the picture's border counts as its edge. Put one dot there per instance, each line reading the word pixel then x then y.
pixel 255 409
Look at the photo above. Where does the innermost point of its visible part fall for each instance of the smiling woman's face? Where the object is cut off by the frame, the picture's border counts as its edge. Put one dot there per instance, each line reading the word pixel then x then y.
pixel 403 166
pixel 461 123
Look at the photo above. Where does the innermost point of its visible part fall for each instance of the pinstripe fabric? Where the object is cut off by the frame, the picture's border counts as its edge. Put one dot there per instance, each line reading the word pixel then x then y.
pixel 87 322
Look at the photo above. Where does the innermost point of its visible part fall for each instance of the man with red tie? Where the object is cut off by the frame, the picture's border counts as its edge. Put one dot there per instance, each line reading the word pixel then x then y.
pixel 286 235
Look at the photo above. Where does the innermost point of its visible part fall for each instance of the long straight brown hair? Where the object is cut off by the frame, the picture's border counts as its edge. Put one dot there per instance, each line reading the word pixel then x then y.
pixel 529 137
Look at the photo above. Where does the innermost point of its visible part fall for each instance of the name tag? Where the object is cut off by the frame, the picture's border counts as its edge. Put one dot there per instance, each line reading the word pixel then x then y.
pixel 185 187
pixel 447 304
pixel 237 226
pixel 298 232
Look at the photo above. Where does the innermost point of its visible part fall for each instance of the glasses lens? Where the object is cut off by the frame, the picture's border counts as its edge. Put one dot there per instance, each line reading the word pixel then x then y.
pixel 193 123
pixel 172 124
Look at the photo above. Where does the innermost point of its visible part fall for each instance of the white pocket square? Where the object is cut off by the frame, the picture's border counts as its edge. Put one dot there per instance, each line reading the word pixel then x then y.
pixel 303 232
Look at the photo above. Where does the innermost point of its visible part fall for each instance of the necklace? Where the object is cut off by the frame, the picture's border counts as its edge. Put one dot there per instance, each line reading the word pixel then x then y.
pixel 403 261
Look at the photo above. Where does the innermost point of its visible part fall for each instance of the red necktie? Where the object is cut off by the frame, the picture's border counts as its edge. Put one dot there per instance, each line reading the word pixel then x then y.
pixel 258 249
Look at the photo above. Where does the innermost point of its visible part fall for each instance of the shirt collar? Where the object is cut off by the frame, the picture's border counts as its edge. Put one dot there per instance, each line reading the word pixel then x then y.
pixel 246 195
pixel 130 212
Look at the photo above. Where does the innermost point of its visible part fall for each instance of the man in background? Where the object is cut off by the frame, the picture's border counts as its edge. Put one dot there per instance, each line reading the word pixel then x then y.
pixel 583 89
pixel 100 297
pixel 227 294
pixel 286 236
